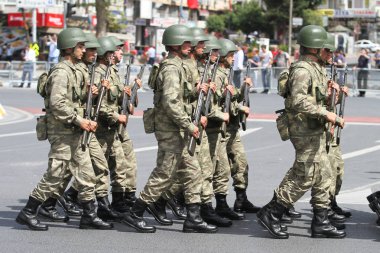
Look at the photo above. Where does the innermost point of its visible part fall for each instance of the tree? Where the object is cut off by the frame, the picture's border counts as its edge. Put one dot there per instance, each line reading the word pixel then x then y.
pixel 102 17
pixel 312 17
pixel 216 23
pixel 248 17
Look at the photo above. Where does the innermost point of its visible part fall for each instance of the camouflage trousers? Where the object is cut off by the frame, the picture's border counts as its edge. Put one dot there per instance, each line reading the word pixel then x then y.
pixel 167 170
pixel 218 147
pixel 100 167
pixel 114 154
pixel 131 163
pixel 337 166
pixel 60 170
pixel 237 157
pixel 202 154
pixel 311 169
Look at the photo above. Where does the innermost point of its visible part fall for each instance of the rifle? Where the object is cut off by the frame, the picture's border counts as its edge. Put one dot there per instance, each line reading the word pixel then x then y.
pixel 198 112
pixel 134 98
pixel 331 108
pixel 227 101
pixel 125 103
pixel 100 97
pixel 210 92
pixel 87 112
pixel 341 107
pixel 243 116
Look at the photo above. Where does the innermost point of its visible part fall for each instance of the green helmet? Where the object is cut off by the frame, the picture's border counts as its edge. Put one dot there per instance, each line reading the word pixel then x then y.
pixel 70 37
pixel 198 36
pixel 330 42
pixel 106 45
pixel 92 41
pixel 211 44
pixel 226 46
pixel 116 41
pixel 176 35
pixel 312 36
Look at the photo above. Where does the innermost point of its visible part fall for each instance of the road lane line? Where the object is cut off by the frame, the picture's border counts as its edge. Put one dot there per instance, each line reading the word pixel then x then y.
pixel 360 152
pixel 249 131
pixel 17 134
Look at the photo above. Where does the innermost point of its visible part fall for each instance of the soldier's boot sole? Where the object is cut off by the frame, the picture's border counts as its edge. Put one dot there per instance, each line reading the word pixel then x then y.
pixel 193 230
pixel 157 218
pixel 21 222
pixel 319 235
pixel 86 226
pixel 138 229
pixel 271 232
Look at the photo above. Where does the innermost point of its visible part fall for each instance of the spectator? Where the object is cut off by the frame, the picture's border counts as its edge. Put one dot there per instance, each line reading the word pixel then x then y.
pixel 53 50
pixel 266 58
pixel 282 60
pixel 28 68
pixel 340 63
pixel 377 59
pixel 9 53
pixel 363 62
pixel 151 55
pixel 163 55
pixel 238 66
pixel 255 63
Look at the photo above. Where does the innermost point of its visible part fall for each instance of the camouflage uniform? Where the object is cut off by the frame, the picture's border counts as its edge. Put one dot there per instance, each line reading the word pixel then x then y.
pixel 306 110
pixel 64 135
pixel 172 127
pixel 337 165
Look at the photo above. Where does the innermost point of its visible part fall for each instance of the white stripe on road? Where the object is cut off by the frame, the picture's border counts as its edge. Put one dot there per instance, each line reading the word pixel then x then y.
pixel 249 131
pixel 17 134
pixel 20 115
pixel 145 149
pixel 361 152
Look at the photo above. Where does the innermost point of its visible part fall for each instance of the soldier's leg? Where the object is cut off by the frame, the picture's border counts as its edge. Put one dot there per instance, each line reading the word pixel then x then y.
pixel 239 173
pixel 131 169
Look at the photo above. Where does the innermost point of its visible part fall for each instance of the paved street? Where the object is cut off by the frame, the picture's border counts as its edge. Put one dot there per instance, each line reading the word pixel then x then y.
pixel 23 161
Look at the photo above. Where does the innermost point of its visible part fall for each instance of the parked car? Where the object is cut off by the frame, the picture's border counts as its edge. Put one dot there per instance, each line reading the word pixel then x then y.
pixel 367 44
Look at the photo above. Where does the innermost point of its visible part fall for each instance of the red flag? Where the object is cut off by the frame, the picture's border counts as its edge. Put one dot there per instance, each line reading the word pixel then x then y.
pixel 192 4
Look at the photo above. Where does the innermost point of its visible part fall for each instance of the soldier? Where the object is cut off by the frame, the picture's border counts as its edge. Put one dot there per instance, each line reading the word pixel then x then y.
pixel 305 106
pixel 218 144
pixel 173 127
pixel 64 128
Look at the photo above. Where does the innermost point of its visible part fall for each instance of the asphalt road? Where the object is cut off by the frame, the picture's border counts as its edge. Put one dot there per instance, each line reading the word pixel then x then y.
pixel 23 161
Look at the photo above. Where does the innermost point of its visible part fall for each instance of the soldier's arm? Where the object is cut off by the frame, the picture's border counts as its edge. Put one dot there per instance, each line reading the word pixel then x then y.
pixel 59 104
pixel 171 99
pixel 301 100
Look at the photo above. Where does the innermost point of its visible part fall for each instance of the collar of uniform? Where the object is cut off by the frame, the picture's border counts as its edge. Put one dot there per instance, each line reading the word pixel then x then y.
pixel 103 66
pixel 69 64
pixel 174 58
pixel 81 65
pixel 223 70
pixel 306 58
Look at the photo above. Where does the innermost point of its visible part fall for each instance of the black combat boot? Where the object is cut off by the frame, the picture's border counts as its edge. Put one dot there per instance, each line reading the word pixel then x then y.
pixel 27 215
pixel 194 222
pixel 130 198
pixel 158 211
pixel 338 210
pixel 209 215
pixel 90 220
pixel 105 210
pixel 135 218
pixel 222 208
pixel 70 208
pixel 292 213
pixel 321 227
pixel 177 207
pixel 20 86
pixel 334 217
pixel 269 217
pixel 242 204
pixel 118 202
pixel 49 212
pixel 71 195
pixel 286 219
pixel 374 204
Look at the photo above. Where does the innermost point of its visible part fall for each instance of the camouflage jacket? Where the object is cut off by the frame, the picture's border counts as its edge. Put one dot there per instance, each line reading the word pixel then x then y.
pixel 306 104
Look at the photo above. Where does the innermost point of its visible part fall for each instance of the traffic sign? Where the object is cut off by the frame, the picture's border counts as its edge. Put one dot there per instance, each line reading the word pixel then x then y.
pixel 30 4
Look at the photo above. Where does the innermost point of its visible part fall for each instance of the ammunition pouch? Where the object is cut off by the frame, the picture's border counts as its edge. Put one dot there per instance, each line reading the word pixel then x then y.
pixel 282 122
pixel 41 128
pixel 148 119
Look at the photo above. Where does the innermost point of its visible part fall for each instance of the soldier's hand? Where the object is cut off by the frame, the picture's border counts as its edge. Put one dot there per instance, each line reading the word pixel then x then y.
pixel 334 119
pixel 248 81
pixel 122 119
pixel 139 82
pixel 204 121
pixel 226 117
pixel 212 86
pixel 345 90
pixel 106 84
pixel 94 90
pixel 93 126
pixel 128 90
pixel 231 89
pixel 195 133
pixel 85 125
pixel 245 109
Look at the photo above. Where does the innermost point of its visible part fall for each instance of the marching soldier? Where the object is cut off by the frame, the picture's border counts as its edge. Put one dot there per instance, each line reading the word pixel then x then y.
pixel 64 127
pixel 305 106
pixel 173 127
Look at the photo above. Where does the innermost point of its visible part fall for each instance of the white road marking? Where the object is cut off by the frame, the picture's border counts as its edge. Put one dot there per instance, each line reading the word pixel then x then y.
pixel 360 152
pixel 249 131
pixel 17 134
pixel 145 149
pixel 18 115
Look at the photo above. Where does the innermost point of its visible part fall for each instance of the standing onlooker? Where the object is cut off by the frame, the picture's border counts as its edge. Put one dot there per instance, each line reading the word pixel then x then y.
pixel 282 60
pixel 340 63
pixel 363 62
pixel 151 55
pixel 238 66
pixel 9 53
pixel 255 63
pixel 266 63
pixel 377 59
pixel 53 50
pixel 28 68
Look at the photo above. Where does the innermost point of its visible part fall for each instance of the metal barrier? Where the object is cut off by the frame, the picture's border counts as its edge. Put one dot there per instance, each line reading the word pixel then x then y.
pixel 11 73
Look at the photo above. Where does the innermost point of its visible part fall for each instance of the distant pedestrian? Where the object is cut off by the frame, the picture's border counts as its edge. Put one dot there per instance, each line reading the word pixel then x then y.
pixel 266 58
pixel 362 65
pixel 340 63
pixel 151 55
pixel 377 59
pixel 9 53
pixel 238 66
pixel 282 60
pixel 53 50
pixel 255 63
pixel 28 68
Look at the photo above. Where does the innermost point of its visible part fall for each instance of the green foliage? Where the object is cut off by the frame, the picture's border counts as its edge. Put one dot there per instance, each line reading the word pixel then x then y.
pixel 312 17
pixel 248 17
pixel 216 23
